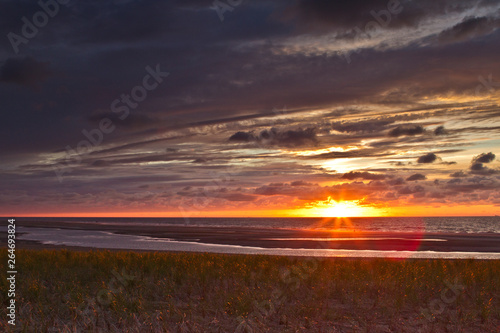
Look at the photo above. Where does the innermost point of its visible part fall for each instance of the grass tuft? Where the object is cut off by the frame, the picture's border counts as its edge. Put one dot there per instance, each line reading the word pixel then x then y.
pixel 107 291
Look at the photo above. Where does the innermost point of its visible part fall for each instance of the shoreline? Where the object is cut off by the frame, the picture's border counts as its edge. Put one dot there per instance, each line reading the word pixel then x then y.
pixel 273 239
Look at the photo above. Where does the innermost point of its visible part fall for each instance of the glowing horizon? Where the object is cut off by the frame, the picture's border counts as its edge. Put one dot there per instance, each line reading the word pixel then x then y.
pixel 293 213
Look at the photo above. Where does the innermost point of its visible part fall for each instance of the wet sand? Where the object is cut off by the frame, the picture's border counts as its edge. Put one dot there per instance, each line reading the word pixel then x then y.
pixel 285 238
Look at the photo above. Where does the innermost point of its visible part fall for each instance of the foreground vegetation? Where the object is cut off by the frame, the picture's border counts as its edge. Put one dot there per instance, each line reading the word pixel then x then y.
pixel 102 291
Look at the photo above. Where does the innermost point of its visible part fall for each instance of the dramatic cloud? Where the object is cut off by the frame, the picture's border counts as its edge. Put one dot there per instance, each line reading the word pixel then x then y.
pixel 278 137
pixel 281 105
pixel 242 137
pixel 484 158
pixel 406 130
pixel 440 130
pixel 427 158
pixel 458 174
pixel 477 165
pixel 417 176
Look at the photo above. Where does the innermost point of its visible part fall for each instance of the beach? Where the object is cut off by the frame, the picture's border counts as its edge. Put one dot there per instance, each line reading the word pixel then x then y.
pixel 129 291
pixel 272 238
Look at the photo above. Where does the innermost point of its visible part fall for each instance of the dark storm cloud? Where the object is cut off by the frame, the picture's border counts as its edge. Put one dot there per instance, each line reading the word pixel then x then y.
pixel 458 174
pixel 411 190
pixel 242 137
pixel 406 130
pixel 477 164
pixel 427 158
pixel 278 137
pixel 417 176
pixel 477 167
pixel 440 130
pixel 473 185
pixel 480 169
pixel 484 158
pixel 24 71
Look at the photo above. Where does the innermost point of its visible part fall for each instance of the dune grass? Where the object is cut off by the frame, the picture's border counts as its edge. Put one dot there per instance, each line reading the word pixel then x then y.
pixel 103 291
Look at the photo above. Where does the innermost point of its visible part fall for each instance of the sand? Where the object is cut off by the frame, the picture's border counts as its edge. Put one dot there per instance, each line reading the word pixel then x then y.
pixel 289 238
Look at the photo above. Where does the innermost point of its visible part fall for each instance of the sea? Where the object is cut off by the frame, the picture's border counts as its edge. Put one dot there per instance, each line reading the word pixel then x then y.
pixel 468 225
pixel 487 227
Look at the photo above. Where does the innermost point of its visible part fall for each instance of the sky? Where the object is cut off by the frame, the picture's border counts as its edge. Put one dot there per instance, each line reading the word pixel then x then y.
pixel 249 108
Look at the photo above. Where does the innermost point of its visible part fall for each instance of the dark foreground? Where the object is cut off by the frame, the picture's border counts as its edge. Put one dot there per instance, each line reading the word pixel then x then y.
pixel 103 291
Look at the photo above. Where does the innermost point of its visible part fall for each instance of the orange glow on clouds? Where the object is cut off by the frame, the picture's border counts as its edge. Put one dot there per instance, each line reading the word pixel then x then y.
pixel 328 209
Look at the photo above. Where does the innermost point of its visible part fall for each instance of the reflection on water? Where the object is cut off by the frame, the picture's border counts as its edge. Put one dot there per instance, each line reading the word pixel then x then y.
pixel 332 239
pixel 106 240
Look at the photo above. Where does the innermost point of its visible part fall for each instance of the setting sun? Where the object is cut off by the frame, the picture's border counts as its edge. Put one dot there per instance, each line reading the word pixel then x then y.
pixel 342 209
pixel 332 208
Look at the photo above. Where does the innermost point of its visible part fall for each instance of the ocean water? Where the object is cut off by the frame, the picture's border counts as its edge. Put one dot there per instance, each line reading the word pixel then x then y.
pixel 107 240
pixel 469 225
